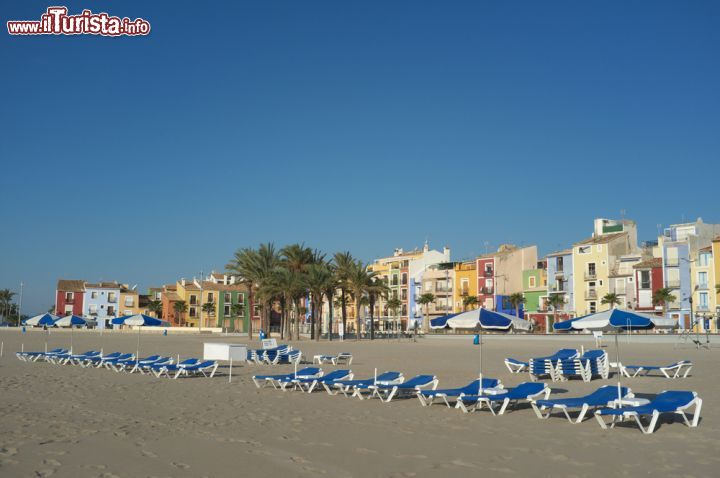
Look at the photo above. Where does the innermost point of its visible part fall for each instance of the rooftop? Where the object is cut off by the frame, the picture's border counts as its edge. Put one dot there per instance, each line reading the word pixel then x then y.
pixel 601 239
pixel 71 285
pixel 649 263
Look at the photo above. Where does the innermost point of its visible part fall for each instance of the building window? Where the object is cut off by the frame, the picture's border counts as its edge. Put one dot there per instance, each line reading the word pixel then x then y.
pixel 593 307
pixel 644 279
pixel 111 296
pixel 404 278
pixel 192 312
pixel 531 282
pixel 111 310
pixel 226 311
pixel 464 287
pixel 241 298
pixel 704 259
pixel 559 264
pixel 703 302
pixel 403 294
pixel 228 297
pixel 93 295
pixel 193 299
pixel 404 310
pixel 394 279
pixel 92 309
pixel 584 249
pixel 211 297
pixel 702 280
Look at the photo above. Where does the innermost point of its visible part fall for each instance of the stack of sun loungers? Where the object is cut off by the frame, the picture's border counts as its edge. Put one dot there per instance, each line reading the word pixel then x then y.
pixel 593 363
pixel 282 354
pixel 546 366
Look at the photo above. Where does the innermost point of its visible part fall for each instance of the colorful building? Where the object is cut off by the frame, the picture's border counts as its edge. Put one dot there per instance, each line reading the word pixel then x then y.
pixel 439 281
pixel 69 297
pixel 680 245
pixel 465 283
pixel 594 259
pixel 561 282
pixel 500 274
pixel 130 301
pixel 535 292
pixel 703 275
pixel 101 302
pixel 648 280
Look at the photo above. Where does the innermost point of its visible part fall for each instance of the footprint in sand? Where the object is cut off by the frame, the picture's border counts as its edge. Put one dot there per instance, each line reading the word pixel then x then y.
pixel 182 466
pixel 149 454
pixel 8 451
pixel 44 472
pixel 51 462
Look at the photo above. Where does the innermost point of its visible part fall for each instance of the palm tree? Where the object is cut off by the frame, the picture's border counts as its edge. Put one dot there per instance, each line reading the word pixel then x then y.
pixel 290 286
pixel 296 258
pixel 425 300
pixel 394 305
pixel 664 297
pixel 6 296
pixel 358 280
pixel 319 279
pixel 180 308
pixel 376 289
pixel 555 302
pixel 237 310
pixel 208 308
pixel 516 300
pixel 344 263
pixel 469 301
pixel 254 268
pixel 156 307
pixel 611 299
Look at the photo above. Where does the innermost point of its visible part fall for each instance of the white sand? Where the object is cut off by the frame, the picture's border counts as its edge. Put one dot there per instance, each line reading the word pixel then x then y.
pixel 71 421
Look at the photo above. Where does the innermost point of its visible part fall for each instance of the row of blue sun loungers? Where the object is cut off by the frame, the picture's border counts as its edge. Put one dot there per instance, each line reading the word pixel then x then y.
pixel 125 362
pixel 567 363
pixel 494 396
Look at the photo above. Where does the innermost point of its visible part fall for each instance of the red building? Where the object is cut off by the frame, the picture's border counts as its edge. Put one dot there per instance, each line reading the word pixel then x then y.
pixel 486 282
pixel 69 297
pixel 648 279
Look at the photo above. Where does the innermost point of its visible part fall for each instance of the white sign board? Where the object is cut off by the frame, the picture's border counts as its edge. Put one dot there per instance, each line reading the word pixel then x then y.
pixel 224 351
pixel 269 343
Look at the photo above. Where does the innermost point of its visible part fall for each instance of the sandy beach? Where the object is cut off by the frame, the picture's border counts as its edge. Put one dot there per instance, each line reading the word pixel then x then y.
pixel 71 421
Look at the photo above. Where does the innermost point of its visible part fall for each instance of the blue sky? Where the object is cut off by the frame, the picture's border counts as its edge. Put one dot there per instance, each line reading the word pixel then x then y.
pixel 348 125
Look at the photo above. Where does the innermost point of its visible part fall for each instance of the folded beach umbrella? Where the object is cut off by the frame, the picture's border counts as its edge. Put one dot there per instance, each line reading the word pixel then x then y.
pixel 619 319
pixel 486 319
pixel 566 325
pixel 42 319
pixel 139 320
pixel 441 322
pixel 70 321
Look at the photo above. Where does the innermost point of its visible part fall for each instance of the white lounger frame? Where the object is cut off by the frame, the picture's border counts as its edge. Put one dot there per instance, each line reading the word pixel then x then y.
pixel 545 393
pixel 696 402
pixel 673 371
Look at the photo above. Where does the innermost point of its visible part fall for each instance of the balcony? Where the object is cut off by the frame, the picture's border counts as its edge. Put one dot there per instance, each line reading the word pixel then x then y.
pixel 672 283
pixel 703 308
pixel 487 290
pixel 112 299
pixel 557 290
pixel 672 261
pixel 702 286
pixel 129 303
pixel 590 275
pixel 590 294
pixel 559 274
pixel 69 300
pixel 488 273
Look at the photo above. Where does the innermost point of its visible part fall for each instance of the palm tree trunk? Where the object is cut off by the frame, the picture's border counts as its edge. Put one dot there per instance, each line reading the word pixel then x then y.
pixel 357 317
pixel 344 310
pixel 330 317
pixel 251 300
pixel 297 319
pixel 372 320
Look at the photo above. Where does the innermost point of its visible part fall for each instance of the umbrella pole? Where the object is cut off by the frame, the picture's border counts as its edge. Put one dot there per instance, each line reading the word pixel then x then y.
pixel 71 340
pixel 138 343
pixel 480 375
pixel 619 368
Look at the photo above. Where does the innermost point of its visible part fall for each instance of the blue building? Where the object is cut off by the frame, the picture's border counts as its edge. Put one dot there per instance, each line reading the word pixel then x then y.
pixel 561 282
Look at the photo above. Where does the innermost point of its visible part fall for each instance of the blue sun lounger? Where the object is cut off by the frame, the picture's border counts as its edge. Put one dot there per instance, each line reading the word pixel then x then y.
pixel 120 362
pixel 206 368
pixel 526 391
pixel 428 397
pixel 97 360
pixel 407 388
pixel 309 384
pixel 346 386
pixel 35 356
pixel 137 365
pixel 673 370
pixel 73 359
pixel 601 397
pixel 665 402
pixel 274 380
pixel 158 368
pixel 516 366
pixel 545 366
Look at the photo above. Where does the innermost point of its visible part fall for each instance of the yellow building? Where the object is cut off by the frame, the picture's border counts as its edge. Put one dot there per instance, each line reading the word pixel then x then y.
pixel 465 283
pixel 715 285
pixel 129 301
pixel 594 258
